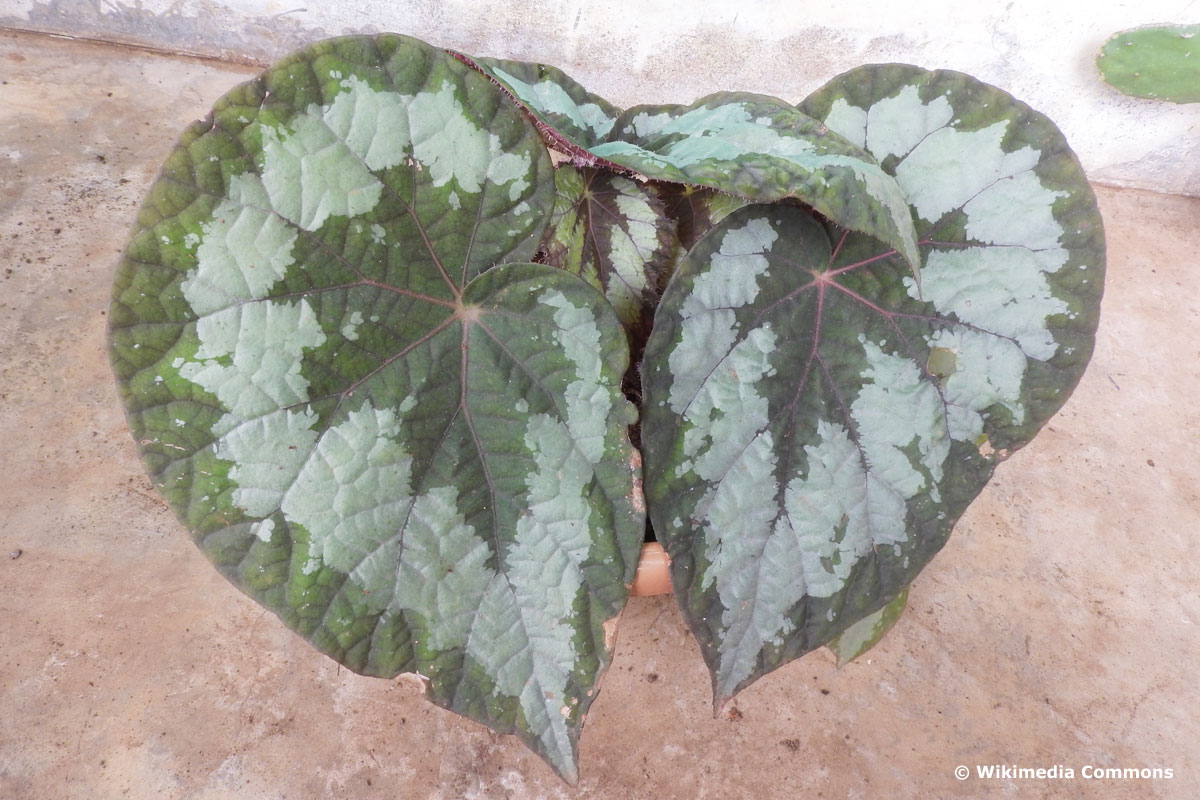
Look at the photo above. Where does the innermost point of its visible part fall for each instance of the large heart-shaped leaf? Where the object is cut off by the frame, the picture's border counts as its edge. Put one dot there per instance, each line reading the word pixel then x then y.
pixel 1012 242
pixel 418 460
pixel 814 421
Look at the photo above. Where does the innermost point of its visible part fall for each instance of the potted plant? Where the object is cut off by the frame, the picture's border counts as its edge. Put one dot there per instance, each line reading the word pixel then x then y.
pixel 415 345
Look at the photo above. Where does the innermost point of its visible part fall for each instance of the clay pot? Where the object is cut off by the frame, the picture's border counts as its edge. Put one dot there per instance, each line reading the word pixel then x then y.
pixel 653 572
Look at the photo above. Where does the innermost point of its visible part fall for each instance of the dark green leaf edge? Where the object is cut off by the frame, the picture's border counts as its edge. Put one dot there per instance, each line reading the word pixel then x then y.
pixel 863 635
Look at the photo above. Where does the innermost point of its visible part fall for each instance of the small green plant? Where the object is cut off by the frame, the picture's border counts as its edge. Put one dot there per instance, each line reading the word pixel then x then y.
pixel 1160 62
pixel 397 329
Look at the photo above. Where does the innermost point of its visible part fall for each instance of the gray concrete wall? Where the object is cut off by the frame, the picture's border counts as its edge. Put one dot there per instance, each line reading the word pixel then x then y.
pixel 634 51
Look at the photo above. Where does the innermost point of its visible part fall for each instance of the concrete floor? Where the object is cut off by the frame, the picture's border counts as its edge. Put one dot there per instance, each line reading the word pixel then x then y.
pixel 1058 627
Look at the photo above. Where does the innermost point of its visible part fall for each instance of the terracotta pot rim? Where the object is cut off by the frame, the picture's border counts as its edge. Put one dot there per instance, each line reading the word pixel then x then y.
pixel 653 572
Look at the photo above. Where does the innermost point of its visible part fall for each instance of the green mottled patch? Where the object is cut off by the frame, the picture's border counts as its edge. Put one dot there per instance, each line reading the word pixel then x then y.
pixel 375 126
pixel 1005 292
pixel 709 326
pixel 897 411
pixel 310 174
pixel 849 121
pixel 243 251
pixel 988 371
pixel 267 454
pixel 452 147
pixel 832 513
pixel 895 126
pixel 634 253
pixel 250 356
pixel 942 362
pixel 589 398
pixel 445 567
pixel 353 493
pixel 937 180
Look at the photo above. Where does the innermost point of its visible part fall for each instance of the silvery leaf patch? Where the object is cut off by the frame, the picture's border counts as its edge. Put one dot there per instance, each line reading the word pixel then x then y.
pixel 570 116
pixel 763 150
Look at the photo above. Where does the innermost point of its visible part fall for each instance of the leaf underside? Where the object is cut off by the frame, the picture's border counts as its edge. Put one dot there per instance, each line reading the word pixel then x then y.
pixel 417 459
pixel 814 422
pixel 696 209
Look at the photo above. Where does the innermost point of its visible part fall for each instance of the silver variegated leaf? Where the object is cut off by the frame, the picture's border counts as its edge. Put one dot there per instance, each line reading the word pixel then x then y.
pixel 1012 243
pixel 754 147
pixel 815 422
pixel 410 448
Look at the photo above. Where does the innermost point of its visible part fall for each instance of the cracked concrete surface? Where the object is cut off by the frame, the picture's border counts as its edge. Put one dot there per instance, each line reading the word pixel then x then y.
pixel 1058 627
